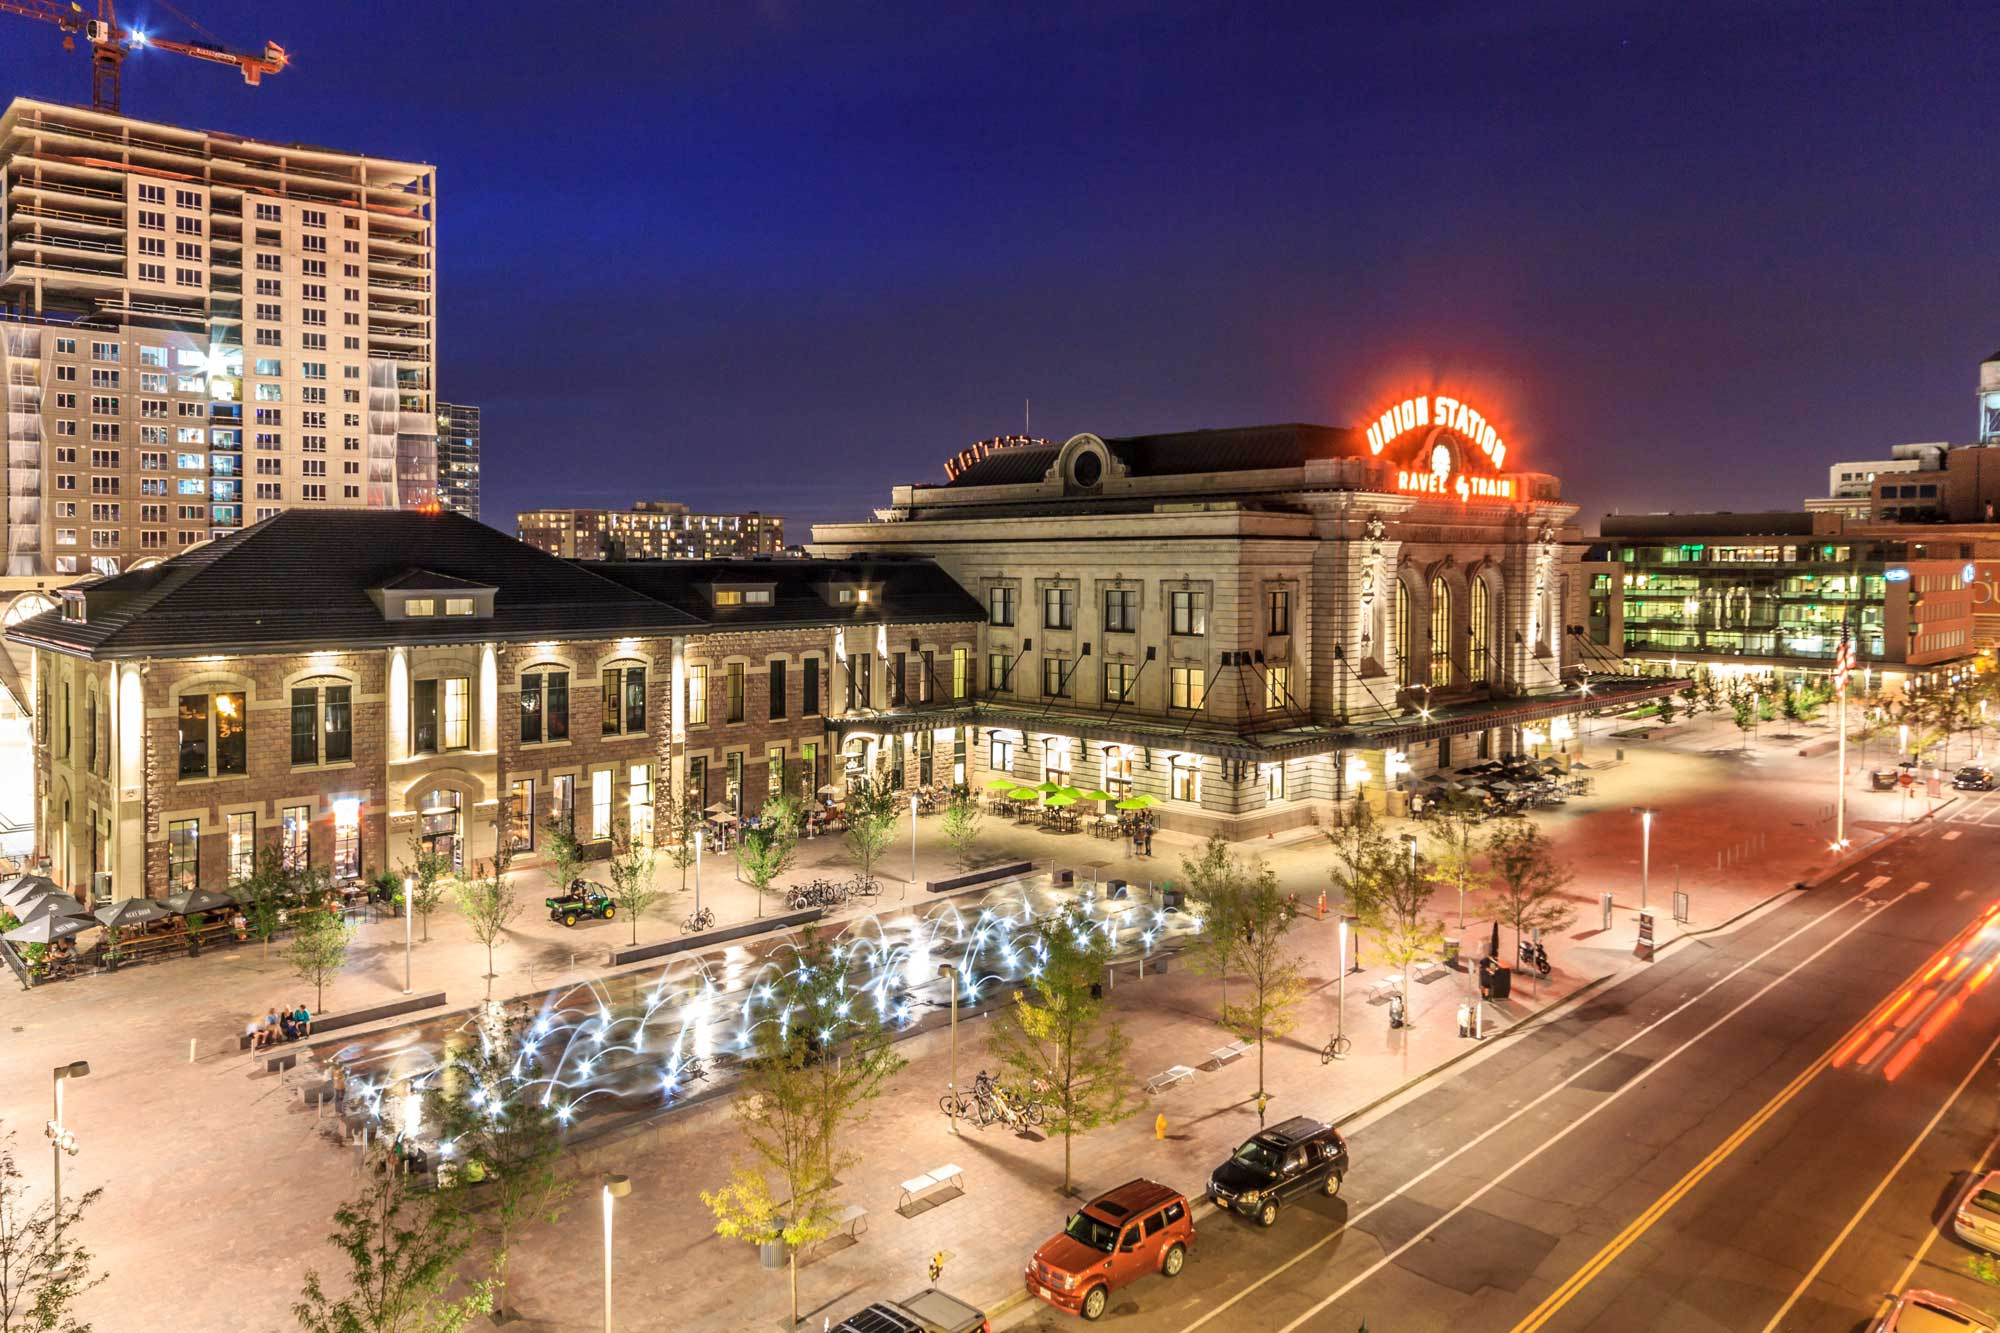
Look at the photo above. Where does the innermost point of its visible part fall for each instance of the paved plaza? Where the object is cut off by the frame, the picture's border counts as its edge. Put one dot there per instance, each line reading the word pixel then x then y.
pixel 210 1164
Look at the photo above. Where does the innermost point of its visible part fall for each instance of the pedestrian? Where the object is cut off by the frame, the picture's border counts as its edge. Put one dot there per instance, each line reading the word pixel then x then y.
pixel 339 1090
pixel 1263 1100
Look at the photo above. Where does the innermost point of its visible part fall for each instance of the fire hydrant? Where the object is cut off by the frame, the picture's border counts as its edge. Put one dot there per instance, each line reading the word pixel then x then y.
pixel 1160 1125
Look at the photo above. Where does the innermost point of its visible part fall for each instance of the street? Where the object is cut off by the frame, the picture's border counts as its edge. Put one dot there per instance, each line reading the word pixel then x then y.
pixel 1757 1132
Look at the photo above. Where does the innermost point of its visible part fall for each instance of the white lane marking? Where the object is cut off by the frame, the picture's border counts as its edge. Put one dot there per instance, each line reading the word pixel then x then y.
pixel 1920 886
pixel 1953 834
pixel 1883 1184
pixel 1850 877
pixel 1528 1107
pixel 1876 882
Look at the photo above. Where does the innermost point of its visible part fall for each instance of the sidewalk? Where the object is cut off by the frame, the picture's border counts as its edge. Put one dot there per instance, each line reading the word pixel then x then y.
pixel 187 1151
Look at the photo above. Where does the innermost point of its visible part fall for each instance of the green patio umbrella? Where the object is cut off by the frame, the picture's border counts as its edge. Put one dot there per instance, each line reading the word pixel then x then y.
pixel 1098 794
pixel 1139 802
pixel 1048 788
pixel 1062 798
pixel 1001 784
pixel 1023 794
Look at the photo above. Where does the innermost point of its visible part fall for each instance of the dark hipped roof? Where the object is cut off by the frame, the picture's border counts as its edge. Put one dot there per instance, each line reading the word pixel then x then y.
pixel 301 580
pixel 906 592
pixel 1236 449
pixel 1767 523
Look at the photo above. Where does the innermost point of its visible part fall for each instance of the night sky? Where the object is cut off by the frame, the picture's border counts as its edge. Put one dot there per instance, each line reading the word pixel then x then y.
pixel 783 255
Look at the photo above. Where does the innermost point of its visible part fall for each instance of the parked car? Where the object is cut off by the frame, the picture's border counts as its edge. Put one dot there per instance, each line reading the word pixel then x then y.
pixel 1279 1164
pixel 1976 1220
pixel 1920 1311
pixel 1139 1228
pixel 1973 778
pixel 929 1311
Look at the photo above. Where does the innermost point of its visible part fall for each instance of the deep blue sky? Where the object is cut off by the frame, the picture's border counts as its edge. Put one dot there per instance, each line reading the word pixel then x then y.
pixel 782 255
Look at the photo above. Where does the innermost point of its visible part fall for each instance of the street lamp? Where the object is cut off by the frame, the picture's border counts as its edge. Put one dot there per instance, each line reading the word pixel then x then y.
pixel 913 846
pixel 1340 1005
pixel 950 972
pixel 697 871
pixel 409 916
pixel 1645 850
pixel 614 1187
pixel 60 1139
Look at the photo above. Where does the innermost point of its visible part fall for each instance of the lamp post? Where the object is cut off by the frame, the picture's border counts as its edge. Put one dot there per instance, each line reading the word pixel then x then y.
pixel 950 972
pixel 1340 1005
pixel 697 871
pixel 1645 850
pixel 913 849
pixel 409 916
pixel 60 1139
pixel 614 1187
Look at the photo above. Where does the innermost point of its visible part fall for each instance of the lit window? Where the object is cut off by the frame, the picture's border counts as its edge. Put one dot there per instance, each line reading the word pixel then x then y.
pixel 420 606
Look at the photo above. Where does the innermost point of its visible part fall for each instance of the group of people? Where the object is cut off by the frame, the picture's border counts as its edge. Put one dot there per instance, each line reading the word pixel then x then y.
pixel 282 1025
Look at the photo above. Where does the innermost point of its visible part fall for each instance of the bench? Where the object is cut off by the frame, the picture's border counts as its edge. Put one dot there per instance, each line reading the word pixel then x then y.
pixel 1166 1078
pixel 1427 971
pixel 918 1186
pixel 1379 991
pixel 1222 1055
pixel 850 1221
pixel 284 1060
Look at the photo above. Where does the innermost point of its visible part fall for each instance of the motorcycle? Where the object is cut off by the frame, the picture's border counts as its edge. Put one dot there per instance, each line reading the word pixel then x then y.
pixel 1535 956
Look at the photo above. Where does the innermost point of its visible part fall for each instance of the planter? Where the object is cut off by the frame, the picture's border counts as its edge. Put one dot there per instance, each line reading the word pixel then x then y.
pixel 194 947
pixel 107 964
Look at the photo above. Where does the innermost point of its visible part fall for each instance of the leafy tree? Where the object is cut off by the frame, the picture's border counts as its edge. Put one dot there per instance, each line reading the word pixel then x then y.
pixel 1213 886
pixel 1393 899
pixel 565 852
pixel 770 849
pixel 489 905
pixel 1276 986
pixel 1744 707
pixel 403 1250
pixel 960 824
pixel 631 872
pixel 871 822
pixel 274 885
pixel 1358 840
pixel 491 1105
pixel 1456 845
pixel 42 1268
pixel 319 951
pixel 679 821
pixel 424 878
pixel 817 1059
pixel 1665 709
pixel 1530 879
pixel 1056 1035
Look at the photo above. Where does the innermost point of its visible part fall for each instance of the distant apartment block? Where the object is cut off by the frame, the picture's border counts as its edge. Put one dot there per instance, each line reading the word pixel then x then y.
pixel 651 530
pixel 458 458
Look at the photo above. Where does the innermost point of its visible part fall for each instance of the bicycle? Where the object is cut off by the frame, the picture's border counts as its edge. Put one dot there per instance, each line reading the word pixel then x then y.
pixel 863 887
pixel 961 1106
pixel 1335 1049
pixel 698 921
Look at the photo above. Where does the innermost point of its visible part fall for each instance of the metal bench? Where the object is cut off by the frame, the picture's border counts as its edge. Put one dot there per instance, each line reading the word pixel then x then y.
pixel 1222 1055
pixel 918 1186
pixel 1426 971
pixel 1166 1078
pixel 1381 990
pixel 850 1221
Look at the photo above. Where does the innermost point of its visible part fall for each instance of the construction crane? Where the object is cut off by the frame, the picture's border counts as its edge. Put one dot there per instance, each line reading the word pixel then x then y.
pixel 109 44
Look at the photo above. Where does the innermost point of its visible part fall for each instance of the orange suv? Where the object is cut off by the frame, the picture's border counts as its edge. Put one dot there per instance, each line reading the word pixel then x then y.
pixel 1139 1228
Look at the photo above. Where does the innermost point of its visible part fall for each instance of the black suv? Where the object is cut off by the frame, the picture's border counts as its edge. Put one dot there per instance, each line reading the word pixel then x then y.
pixel 1973 778
pixel 1280 1163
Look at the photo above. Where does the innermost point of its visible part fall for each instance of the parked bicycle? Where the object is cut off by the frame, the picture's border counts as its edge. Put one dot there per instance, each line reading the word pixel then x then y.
pixel 699 921
pixel 1335 1049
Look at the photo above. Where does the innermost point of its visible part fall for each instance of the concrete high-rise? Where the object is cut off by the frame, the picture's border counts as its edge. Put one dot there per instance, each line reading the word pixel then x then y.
pixel 458 458
pixel 198 330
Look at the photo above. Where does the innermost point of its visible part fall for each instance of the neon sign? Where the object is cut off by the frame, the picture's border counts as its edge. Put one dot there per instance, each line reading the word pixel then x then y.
pixel 1440 481
pixel 1437 410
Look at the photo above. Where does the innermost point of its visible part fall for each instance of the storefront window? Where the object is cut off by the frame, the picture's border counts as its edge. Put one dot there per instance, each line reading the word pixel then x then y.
pixel 639 800
pixel 184 855
pixel 521 815
pixel 295 836
pixel 438 827
pixel 600 805
pixel 241 830
pixel 562 802
pixel 347 839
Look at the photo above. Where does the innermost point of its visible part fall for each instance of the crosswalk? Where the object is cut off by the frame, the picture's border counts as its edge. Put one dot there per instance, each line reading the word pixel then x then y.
pixel 1982 807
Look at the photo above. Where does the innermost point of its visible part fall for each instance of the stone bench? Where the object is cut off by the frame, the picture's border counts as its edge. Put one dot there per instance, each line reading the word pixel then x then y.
pixel 917 1187
pixel 324 1023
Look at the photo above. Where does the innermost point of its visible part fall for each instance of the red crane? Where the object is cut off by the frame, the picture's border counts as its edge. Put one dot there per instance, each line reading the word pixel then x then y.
pixel 110 43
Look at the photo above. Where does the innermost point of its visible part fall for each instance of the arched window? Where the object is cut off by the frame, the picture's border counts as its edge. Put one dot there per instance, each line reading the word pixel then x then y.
pixel 1480 631
pixel 1406 662
pixel 1440 674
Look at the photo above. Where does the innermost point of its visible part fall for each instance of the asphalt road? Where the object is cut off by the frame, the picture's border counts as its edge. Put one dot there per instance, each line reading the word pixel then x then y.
pixel 1758 1131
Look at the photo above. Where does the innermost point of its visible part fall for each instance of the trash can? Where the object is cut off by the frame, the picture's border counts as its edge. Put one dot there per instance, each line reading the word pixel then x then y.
pixel 771 1254
pixel 1496 980
pixel 1451 954
pixel 1170 900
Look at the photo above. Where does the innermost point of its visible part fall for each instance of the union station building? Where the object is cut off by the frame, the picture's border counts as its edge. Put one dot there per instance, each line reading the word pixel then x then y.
pixel 1252 626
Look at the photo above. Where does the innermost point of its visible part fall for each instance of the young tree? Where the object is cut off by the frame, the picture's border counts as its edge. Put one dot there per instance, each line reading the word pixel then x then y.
pixel 319 951
pixel 631 872
pixel 1529 879
pixel 1358 840
pixel 1744 708
pixel 565 853
pixel 1456 846
pixel 42 1268
pixel 769 850
pixel 1276 986
pixel 490 1104
pixel 678 822
pixel 1056 1034
pixel 1665 709
pixel 816 1061
pixel 960 825
pixel 488 904
pixel 1214 887
pixel 273 886
pixel 403 1251
pixel 1393 899
pixel 424 877
pixel 871 823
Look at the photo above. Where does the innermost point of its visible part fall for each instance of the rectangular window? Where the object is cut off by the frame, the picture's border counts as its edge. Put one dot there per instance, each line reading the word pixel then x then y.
pixel 1000 754
pixel 639 801
pixel 600 805
pixel 184 854
pixel 1055 677
pixel 544 706
pixel 457 711
pixel 1277 688
pixel 809 704
pixel 697 782
pixel 241 830
pixel 1000 605
pixel 1121 610
pixel 899 674
pixel 697 701
pixel 774 771
pixel 458 606
pixel 305 725
pixel 424 718
pixel 1058 608
pixel 338 724
pixel 1118 677
pixel 635 700
pixel 1278 611
pixel 927 670
pixel 1185 778
pixel 775 692
pixel 1190 612
pixel 562 802
pixel 1188 686
pixel 732 781
pixel 732 691
pixel 999 672
pixel 961 671
pixel 295 836
pixel 521 814
pixel 1274 782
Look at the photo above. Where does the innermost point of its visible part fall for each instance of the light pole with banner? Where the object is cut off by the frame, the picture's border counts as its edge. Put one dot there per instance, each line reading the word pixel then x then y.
pixel 60 1139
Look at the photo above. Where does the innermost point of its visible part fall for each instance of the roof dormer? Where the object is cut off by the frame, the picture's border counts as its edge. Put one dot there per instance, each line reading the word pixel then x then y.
pixel 735 595
pixel 421 594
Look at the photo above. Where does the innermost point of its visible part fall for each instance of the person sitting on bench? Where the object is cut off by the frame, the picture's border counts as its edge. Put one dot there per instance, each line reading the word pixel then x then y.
pixel 302 1019
pixel 288 1027
pixel 267 1032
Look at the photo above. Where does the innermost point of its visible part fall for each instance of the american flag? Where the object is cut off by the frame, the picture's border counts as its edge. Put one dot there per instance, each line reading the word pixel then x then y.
pixel 1843 662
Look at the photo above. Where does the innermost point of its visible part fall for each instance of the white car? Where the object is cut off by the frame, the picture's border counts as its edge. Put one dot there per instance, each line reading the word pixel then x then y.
pixel 1976 1220
pixel 1920 1311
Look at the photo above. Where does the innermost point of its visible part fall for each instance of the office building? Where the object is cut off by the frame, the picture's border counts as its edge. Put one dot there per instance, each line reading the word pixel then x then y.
pixel 651 530
pixel 458 458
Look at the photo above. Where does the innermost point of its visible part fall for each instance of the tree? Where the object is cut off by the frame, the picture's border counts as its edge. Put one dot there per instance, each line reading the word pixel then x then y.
pixel 631 872
pixel 1213 887
pixel 1276 986
pixel 1056 1034
pixel 42 1268
pixel 491 1105
pixel 403 1251
pixel 1744 707
pixel 679 821
pixel 817 1058
pixel 1456 845
pixel 319 951
pixel 871 822
pixel 1393 898
pixel 424 875
pixel 489 905
pixel 960 825
pixel 565 853
pixel 1358 840
pixel 1529 878
pixel 274 885
pixel 1665 709
pixel 768 851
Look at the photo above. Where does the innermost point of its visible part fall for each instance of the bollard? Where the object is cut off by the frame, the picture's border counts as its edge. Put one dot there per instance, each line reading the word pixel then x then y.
pixel 1160 1125
pixel 191 1042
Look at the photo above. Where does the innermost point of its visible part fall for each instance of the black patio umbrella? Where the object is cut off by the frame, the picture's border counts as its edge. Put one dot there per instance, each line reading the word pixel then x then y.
pixel 131 912
pixel 52 904
pixel 189 901
pixel 49 929
pixel 1494 954
pixel 22 888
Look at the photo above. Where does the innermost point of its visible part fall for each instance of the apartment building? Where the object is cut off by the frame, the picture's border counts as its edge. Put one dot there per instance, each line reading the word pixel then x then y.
pixel 651 530
pixel 198 330
pixel 458 458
